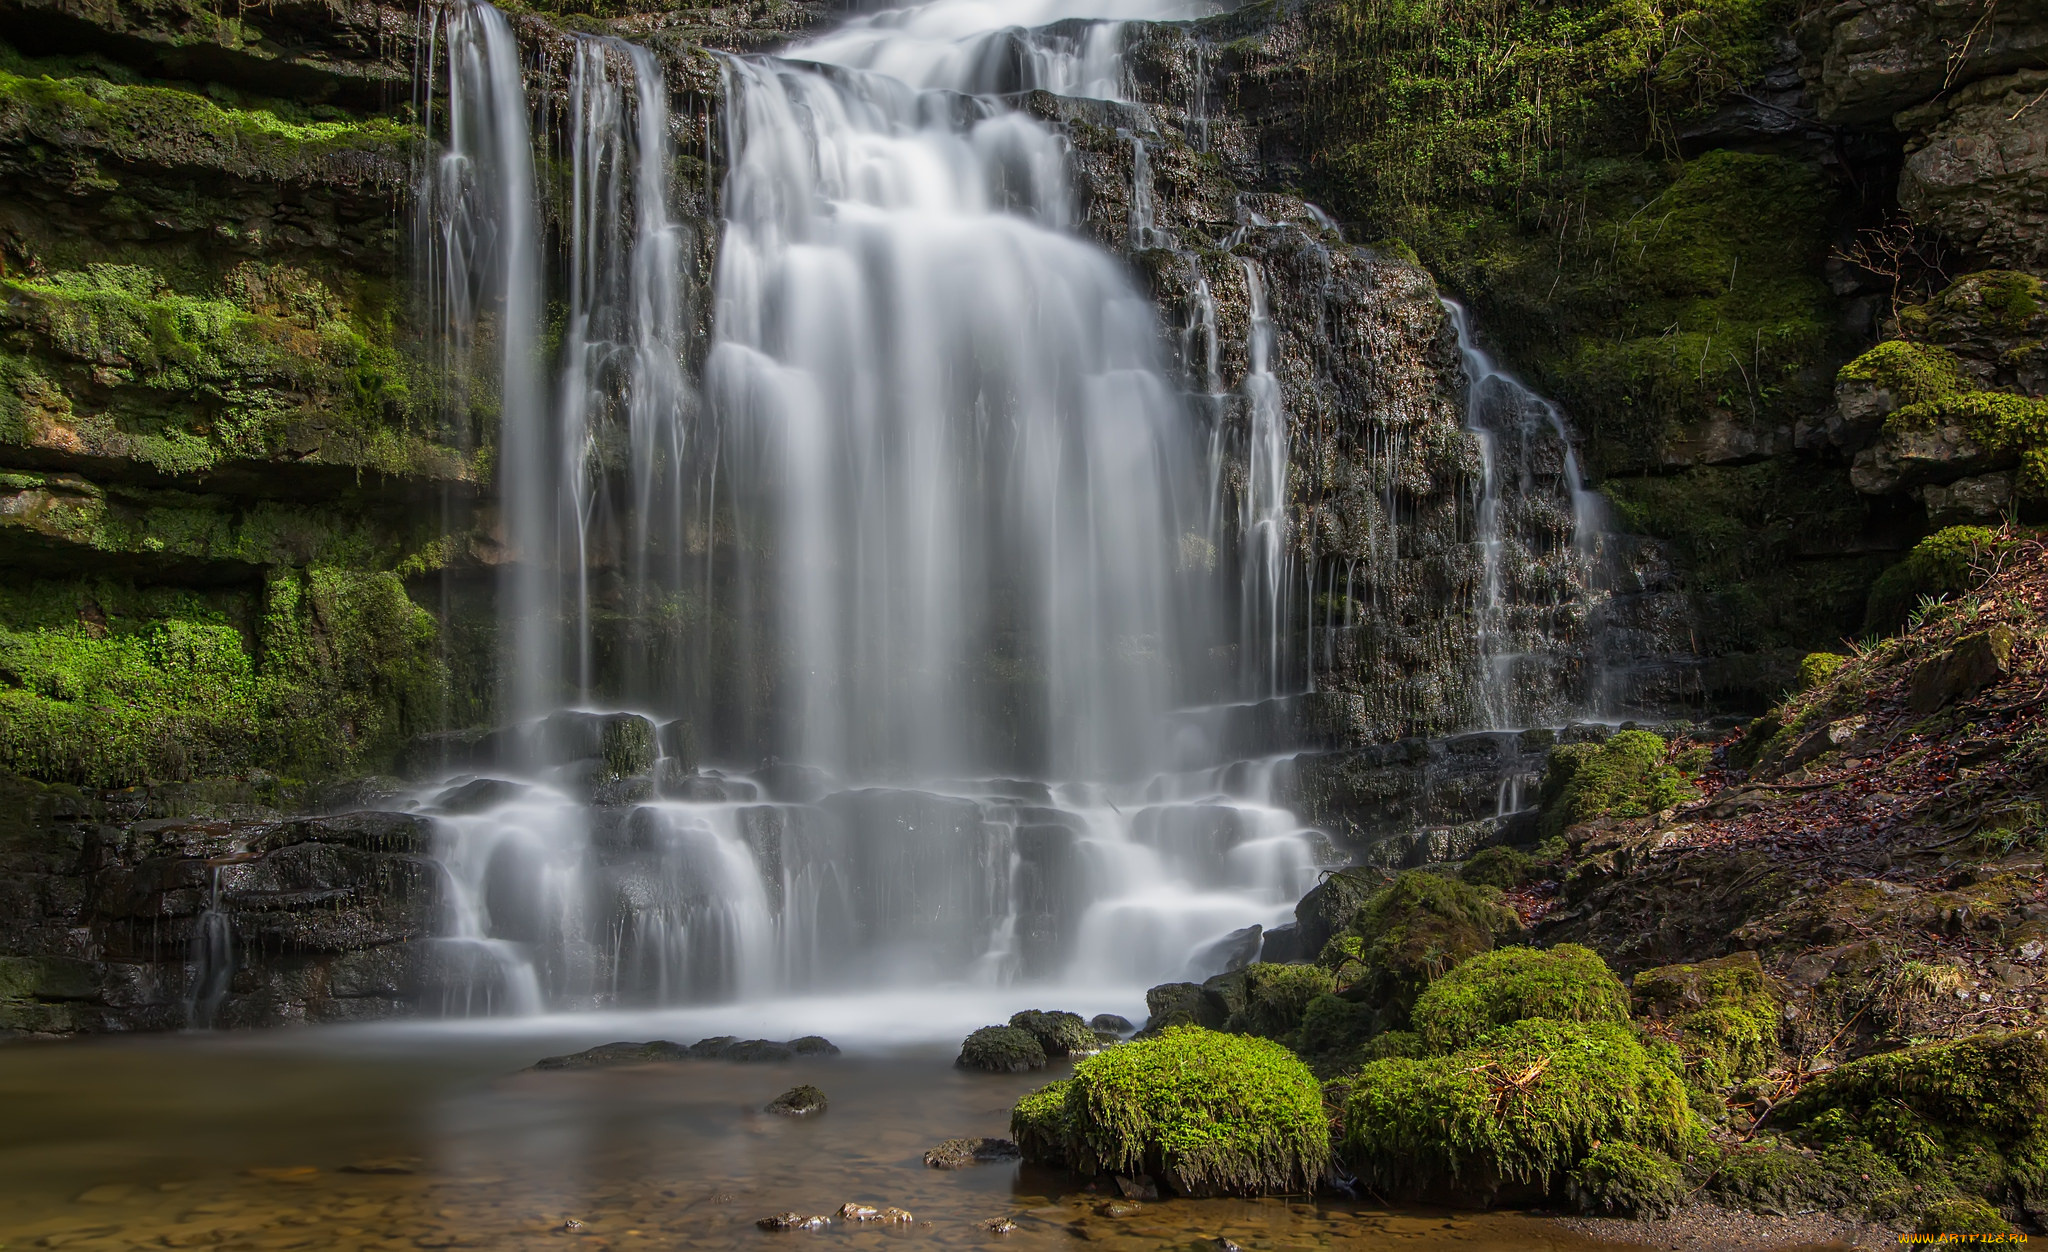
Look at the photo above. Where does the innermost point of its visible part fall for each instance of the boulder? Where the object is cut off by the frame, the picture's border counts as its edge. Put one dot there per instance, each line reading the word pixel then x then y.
pixel 1233 951
pixel 479 795
pixel 607 1055
pixel 1179 1004
pixel 961 1153
pixel 1967 667
pixel 1001 1050
pixel 1060 1034
pixel 804 1101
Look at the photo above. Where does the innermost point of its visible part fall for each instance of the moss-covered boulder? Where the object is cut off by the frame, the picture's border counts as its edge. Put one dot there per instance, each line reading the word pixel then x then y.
pixel 1501 868
pixel 1630 775
pixel 1625 1180
pixel 1987 1090
pixel 1275 997
pixel 1411 932
pixel 1206 1113
pixel 1567 983
pixel 1967 1222
pixel 1943 564
pixel 1180 1004
pixel 1329 905
pixel 1516 1113
pixel 1001 1050
pixel 1720 1013
pixel 1058 1033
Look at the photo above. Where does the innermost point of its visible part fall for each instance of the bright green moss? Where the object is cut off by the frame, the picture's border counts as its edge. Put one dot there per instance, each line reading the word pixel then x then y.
pixel 1816 668
pixel 1040 1124
pixel 1995 302
pixel 1627 776
pixel 1908 1101
pixel 1524 1105
pixel 1276 997
pixel 1942 564
pixel 1411 932
pixel 1997 421
pixel 1721 1014
pixel 125 366
pixel 1565 983
pixel 1914 373
pixel 1001 1050
pixel 163 127
pixel 336 671
pixel 1623 1180
pixel 1334 1028
pixel 1207 1113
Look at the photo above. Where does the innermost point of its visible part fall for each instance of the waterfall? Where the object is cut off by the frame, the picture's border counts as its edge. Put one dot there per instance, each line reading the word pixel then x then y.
pixel 211 957
pixel 481 201
pixel 1262 510
pixel 937 520
pixel 1538 531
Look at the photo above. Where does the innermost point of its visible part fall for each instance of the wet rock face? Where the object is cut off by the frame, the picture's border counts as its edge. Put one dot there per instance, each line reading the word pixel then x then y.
pixel 328 918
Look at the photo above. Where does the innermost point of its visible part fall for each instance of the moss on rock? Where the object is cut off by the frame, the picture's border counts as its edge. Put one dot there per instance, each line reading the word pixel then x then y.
pixel 1058 1033
pixel 1963 1217
pixel 1276 997
pixel 1522 1107
pixel 1498 867
pixel 1001 1050
pixel 1943 564
pixel 1624 1180
pixel 1207 1113
pixel 1627 776
pixel 1566 983
pixel 1411 932
pixel 1720 1013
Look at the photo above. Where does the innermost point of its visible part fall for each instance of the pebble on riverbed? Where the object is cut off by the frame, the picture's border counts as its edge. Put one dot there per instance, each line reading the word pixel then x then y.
pixel 999 1225
pixel 794 1221
pixel 960 1153
pixel 803 1101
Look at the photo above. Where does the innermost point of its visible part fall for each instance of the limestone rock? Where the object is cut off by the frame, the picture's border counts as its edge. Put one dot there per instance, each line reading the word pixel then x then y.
pixel 1972 664
pixel 1868 60
pixel 1984 498
pixel 1979 173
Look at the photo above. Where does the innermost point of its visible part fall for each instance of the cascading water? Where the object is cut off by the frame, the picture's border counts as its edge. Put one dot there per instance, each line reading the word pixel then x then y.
pixel 941 496
pixel 1539 531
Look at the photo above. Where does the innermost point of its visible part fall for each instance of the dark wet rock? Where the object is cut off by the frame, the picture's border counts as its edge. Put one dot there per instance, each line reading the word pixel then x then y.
pixel 1060 1034
pixel 794 1221
pixel 1139 1187
pixel 622 743
pixel 1001 1050
pixel 792 783
pixel 804 1101
pixel 1119 1208
pixel 1282 944
pixel 1233 951
pixel 999 1225
pixel 479 794
pixel 1180 1004
pixel 960 1153
pixel 1330 904
pixel 384 1165
pixel 813 1045
pixel 1110 1024
pixel 713 1048
pixel 606 1055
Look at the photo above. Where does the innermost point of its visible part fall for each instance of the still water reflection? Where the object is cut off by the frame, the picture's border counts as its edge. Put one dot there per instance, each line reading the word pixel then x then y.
pixel 347 1138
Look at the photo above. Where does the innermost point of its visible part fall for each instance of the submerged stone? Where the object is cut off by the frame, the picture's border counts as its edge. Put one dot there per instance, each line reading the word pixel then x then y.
pixel 804 1101
pixel 606 1055
pixel 961 1153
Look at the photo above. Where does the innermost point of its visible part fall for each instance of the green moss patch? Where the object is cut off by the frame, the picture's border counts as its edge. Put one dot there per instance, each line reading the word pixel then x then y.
pixel 1630 775
pixel 1208 1113
pixel 1501 868
pixel 1522 1107
pixel 1624 1180
pixel 333 673
pixel 1943 564
pixel 1913 373
pixel 1276 997
pixel 1720 1013
pixel 1566 983
pixel 1411 932
pixel 1060 1034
